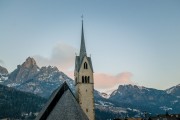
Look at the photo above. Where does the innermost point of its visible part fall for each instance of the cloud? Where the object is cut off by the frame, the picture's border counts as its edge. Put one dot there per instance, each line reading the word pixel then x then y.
pixel 62 56
pixel 106 81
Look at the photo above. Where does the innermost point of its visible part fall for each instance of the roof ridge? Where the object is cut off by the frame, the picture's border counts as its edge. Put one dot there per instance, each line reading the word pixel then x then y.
pixel 64 87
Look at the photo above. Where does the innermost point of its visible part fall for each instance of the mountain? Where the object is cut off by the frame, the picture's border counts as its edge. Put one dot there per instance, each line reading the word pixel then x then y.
pixel 175 90
pixel 25 71
pixel 3 74
pixel 134 101
pixel 19 105
pixel 42 81
pixel 132 94
pixel 128 100
pixel 3 70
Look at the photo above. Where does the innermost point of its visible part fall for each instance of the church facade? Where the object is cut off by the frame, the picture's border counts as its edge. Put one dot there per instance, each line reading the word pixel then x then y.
pixel 84 80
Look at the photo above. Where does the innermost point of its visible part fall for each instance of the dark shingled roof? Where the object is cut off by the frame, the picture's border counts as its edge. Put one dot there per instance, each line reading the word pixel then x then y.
pixel 62 106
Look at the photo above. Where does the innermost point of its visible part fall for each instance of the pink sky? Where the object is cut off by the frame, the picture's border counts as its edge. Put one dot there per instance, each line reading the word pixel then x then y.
pixel 63 57
pixel 105 81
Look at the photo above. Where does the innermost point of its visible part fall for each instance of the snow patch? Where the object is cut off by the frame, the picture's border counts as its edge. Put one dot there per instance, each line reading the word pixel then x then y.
pixel 105 95
pixel 117 110
pixel 113 93
pixel 13 85
pixel 3 77
pixel 169 91
pixel 165 108
pixel 135 110
pixel 105 103
pixel 175 101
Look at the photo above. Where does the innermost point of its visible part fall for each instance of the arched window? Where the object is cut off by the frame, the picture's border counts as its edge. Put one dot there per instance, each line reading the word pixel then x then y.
pixel 86 79
pixel 85 65
pixel 82 79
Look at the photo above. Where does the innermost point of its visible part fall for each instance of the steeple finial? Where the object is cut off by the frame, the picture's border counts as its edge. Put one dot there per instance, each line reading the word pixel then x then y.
pixel 83 47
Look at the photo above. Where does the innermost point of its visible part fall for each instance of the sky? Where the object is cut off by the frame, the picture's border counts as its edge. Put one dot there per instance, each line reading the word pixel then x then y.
pixel 130 42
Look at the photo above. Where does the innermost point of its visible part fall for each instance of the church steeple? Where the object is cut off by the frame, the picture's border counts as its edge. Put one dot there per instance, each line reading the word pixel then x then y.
pixel 83 47
pixel 84 80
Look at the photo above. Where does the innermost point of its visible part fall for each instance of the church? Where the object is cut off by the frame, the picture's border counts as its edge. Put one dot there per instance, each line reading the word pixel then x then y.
pixel 63 104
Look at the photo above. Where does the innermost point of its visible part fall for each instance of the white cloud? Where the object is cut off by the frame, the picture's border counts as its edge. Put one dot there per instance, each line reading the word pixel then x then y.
pixel 62 56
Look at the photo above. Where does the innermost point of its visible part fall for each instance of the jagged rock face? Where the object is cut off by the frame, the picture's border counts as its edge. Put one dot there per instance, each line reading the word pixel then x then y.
pixel 42 81
pixel 25 71
pixel 3 71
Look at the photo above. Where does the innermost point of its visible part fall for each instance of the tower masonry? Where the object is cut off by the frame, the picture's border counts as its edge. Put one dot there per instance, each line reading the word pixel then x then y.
pixel 84 81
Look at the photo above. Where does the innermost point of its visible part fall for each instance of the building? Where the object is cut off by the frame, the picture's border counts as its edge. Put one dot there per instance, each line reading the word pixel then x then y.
pixel 63 105
pixel 84 81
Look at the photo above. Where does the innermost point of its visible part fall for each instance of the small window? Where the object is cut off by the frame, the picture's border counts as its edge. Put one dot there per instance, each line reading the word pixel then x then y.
pixel 86 110
pixel 88 79
pixel 83 79
pixel 85 65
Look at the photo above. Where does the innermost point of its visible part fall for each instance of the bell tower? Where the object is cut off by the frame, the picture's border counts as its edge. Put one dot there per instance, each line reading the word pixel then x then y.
pixel 84 81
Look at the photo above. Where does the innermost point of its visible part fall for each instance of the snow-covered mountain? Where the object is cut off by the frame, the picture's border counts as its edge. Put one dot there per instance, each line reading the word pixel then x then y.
pixel 42 81
pixel 135 94
pixel 134 100
pixel 128 100
pixel 175 90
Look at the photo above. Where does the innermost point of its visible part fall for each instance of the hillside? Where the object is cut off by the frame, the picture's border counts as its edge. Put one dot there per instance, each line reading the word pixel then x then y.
pixel 16 104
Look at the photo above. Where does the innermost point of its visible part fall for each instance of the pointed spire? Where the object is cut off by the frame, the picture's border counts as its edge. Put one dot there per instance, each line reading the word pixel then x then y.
pixel 83 47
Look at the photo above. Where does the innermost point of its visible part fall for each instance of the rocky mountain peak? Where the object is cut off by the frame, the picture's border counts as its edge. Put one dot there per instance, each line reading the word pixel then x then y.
pixel 25 71
pixel 131 87
pixel 49 69
pixel 30 62
pixel 3 70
